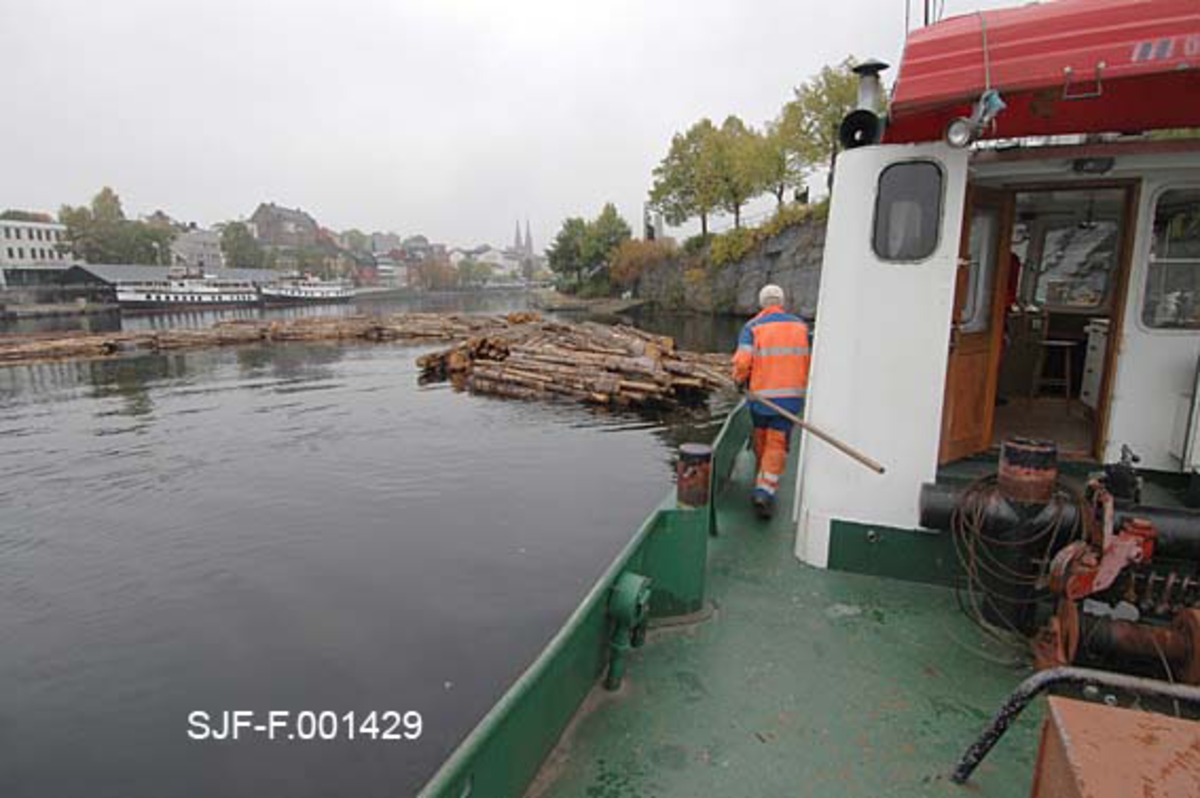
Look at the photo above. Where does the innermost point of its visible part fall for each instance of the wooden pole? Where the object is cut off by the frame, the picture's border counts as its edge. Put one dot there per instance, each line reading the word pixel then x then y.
pixel 844 448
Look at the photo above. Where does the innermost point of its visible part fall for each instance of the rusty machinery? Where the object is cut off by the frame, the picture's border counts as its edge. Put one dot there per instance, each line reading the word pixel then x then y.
pixel 1088 573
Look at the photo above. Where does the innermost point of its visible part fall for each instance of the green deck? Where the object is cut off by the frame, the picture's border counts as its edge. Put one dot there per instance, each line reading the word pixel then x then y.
pixel 804 682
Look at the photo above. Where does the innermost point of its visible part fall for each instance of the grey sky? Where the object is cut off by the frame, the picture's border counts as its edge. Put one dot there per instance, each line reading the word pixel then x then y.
pixel 449 118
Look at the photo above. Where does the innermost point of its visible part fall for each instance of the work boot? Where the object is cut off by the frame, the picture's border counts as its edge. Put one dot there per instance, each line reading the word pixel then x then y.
pixel 764 505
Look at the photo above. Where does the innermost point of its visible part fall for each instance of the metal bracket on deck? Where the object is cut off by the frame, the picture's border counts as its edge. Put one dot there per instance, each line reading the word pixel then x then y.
pixel 629 608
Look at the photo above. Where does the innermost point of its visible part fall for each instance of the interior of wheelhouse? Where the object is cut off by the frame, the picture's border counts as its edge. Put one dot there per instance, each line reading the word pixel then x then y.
pixel 1036 296
pixel 1064 258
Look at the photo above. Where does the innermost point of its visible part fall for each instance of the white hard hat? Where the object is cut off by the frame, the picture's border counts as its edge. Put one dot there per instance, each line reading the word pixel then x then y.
pixel 770 294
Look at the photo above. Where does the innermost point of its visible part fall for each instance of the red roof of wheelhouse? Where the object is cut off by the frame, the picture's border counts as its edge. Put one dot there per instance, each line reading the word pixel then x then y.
pixel 1072 66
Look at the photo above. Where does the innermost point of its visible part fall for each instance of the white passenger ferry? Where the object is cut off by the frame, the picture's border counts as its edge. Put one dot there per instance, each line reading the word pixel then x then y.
pixel 185 287
pixel 305 289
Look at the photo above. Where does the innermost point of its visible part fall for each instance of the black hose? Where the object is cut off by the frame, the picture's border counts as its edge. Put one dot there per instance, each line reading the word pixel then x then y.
pixel 1027 690
pixel 1178 529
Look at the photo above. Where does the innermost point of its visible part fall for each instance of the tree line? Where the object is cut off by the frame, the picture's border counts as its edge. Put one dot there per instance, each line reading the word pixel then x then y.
pixel 710 169
pixel 581 251
pixel 100 233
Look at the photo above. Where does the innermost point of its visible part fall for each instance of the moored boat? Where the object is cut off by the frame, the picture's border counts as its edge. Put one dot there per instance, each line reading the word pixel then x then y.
pixel 306 289
pixel 184 287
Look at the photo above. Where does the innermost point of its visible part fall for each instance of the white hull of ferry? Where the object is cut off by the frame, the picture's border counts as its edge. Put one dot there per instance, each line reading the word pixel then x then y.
pixel 306 294
pixel 185 295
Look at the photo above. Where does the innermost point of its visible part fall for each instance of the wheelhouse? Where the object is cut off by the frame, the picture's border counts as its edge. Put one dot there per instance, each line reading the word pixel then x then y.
pixel 1041 282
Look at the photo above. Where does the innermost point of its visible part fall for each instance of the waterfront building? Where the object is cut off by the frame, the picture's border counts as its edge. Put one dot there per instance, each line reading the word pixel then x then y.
pixel 277 226
pixel 391 272
pixel 506 263
pixel 32 252
pixel 198 248
pixel 384 242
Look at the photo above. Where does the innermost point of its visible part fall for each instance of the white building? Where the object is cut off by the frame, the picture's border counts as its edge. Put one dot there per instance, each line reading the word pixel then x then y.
pixel 31 246
pixel 392 274
pixel 506 262
pixel 384 242
pixel 199 249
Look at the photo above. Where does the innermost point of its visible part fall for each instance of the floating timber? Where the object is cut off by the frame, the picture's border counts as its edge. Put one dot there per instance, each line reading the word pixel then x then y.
pixel 21 349
pixel 520 355
pixel 593 363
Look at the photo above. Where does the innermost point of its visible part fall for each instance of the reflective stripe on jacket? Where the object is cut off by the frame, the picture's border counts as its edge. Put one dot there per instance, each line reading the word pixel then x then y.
pixel 773 354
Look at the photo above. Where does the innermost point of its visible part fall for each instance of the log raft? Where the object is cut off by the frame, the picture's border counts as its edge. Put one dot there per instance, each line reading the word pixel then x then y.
pixel 592 363
pixel 520 355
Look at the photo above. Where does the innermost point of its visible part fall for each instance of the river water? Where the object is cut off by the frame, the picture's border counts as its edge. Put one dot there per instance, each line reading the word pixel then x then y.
pixel 297 527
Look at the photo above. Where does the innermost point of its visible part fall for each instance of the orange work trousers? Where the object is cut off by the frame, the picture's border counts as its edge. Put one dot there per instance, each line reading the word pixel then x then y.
pixel 770 448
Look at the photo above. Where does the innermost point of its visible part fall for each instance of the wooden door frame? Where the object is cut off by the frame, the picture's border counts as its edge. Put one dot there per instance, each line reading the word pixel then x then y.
pixel 1119 295
pixel 999 315
pixel 1004 200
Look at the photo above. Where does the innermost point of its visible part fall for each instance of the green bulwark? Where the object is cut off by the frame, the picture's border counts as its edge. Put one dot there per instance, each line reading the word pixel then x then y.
pixel 503 753
pixel 793 681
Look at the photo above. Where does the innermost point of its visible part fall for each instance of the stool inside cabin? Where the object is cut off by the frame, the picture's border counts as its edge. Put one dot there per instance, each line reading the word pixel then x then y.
pixel 1055 381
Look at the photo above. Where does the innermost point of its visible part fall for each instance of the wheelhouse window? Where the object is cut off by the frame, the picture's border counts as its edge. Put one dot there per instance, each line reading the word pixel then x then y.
pixel 908 211
pixel 1173 281
pixel 1066 247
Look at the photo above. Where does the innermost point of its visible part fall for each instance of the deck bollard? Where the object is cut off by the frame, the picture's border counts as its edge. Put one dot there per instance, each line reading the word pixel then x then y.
pixel 693 474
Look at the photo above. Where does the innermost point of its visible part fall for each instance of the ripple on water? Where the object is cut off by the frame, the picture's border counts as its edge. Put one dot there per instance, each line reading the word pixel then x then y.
pixel 288 528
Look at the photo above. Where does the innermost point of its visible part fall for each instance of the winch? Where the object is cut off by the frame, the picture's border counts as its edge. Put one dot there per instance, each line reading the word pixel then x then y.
pixel 1087 573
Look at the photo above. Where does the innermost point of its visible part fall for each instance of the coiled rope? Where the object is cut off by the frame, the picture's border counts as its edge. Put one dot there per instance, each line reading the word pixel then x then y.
pixel 978 553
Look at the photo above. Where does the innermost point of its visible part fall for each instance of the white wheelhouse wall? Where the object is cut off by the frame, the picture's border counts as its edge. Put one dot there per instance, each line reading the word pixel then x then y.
pixel 879 359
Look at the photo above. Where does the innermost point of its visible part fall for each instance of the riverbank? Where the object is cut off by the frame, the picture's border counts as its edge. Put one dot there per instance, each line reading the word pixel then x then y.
pixel 704 283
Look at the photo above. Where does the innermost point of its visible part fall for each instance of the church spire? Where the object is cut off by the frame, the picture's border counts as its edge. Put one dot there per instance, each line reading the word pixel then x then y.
pixel 517 237
pixel 528 239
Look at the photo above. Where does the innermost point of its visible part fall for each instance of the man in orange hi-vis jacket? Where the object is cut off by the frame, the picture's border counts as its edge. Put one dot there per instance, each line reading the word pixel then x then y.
pixel 772 357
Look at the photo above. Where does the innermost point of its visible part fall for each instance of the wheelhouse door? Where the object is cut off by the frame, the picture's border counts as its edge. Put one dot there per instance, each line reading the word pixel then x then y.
pixel 977 330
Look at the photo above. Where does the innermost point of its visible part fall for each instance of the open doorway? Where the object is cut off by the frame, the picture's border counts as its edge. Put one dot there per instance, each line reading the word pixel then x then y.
pixel 1038 281
pixel 1065 256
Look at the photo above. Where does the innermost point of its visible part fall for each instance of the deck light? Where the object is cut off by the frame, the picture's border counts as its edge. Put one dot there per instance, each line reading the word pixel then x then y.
pixel 960 133
pixel 965 129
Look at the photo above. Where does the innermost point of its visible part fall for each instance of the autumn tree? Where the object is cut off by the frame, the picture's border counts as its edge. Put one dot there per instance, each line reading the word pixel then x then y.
pixel 684 185
pixel 473 272
pixel 106 207
pixel 810 121
pixel 582 249
pixel 356 240
pixel 565 255
pixel 734 159
pixel 604 234
pixel 100 233
pixel 25 216
pixel 240 248
pixel 633 258
pixel 781 165
pixel 436 274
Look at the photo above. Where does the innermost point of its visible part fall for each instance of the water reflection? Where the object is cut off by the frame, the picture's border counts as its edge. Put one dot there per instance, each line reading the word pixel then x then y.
pixel 693 331
pixel 288 527
pixel 195 318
